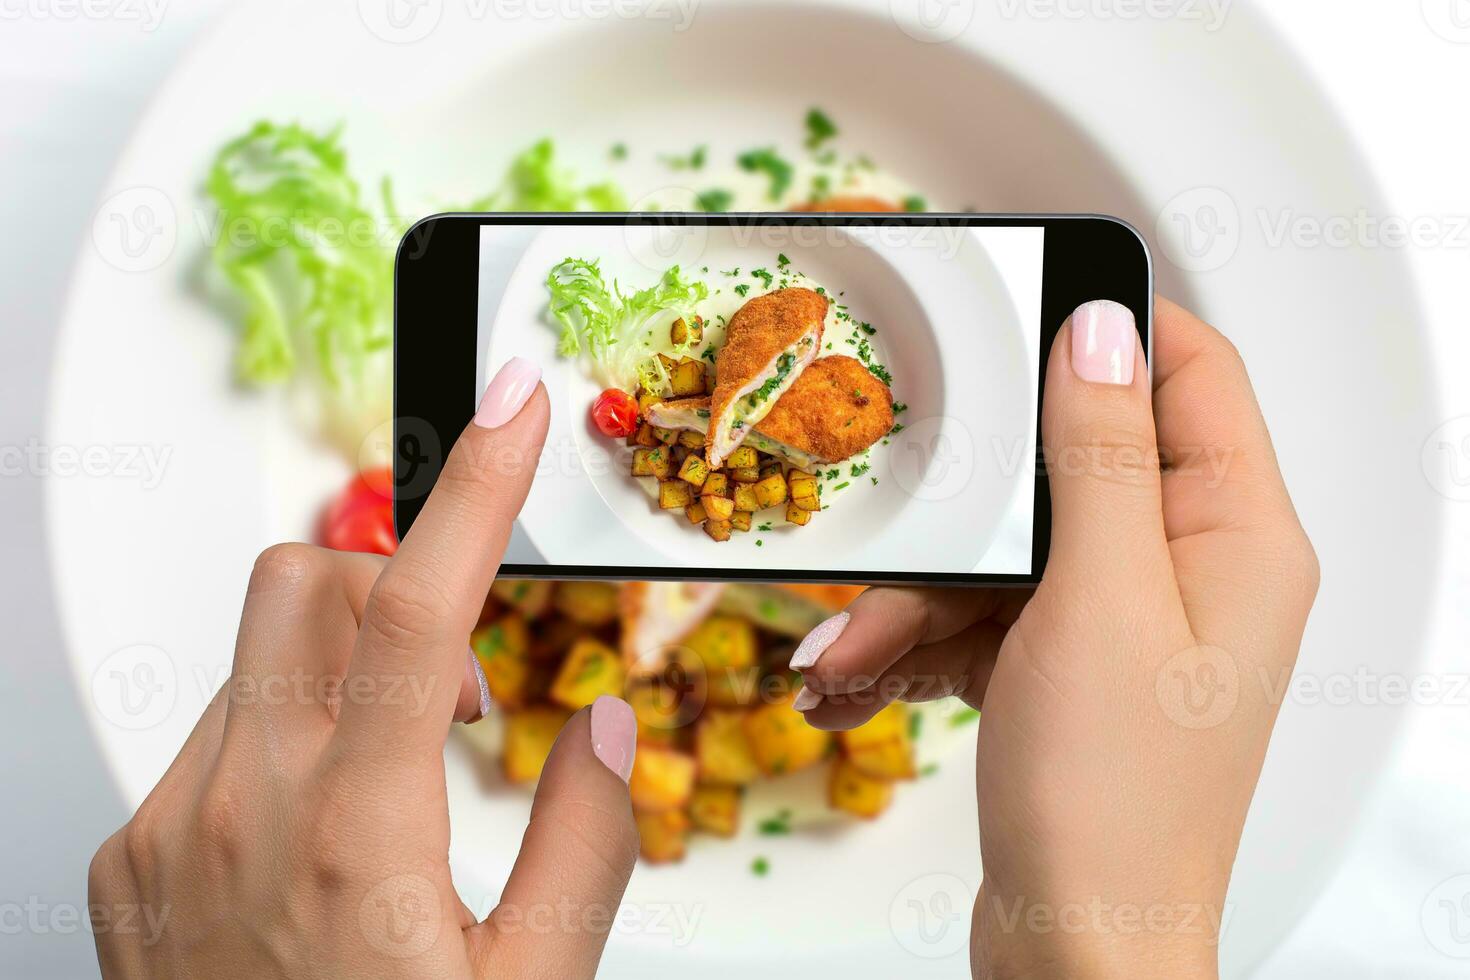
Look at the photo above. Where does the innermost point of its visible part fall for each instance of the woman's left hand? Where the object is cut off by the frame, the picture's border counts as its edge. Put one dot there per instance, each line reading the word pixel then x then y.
pixel 303 829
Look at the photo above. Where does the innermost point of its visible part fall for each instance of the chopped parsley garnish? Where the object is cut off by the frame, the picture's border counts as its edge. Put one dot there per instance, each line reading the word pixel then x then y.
pixel 833 474
pixel 916 724
pixel 930 769
pixel 764 527
pixel 819 128
pixel 694 161
pixel 708 353
pixel 881 373
pixel 743 288
pixel 867 328
pixel 619 151
pixel 782 261
pixel 760 867
pixel 775 826
pixel 860 470
pixel 897 428
pixel 841 486
pixel 767 161
pixel 962 718
pixel 758 542
pixel 821 186
pixel 915 203
pixel 730 272
pixel 899 407
pixel 716 200
pixel 763 275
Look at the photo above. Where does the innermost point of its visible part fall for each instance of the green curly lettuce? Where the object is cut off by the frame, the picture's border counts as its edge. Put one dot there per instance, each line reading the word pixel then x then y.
pixel 621 334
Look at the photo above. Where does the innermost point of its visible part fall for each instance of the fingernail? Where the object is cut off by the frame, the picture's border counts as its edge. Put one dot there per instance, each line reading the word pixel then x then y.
pixel 507 393
pixel 818 640
pixel 475 674
pixel 1104 339
pixel 806 699
pixel 614 734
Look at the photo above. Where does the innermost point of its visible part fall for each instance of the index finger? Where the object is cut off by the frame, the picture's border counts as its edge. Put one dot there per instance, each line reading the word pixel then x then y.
pixel 416 626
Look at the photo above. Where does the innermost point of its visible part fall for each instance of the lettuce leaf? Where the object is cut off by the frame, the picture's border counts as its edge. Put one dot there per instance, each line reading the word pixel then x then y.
pixel 621 334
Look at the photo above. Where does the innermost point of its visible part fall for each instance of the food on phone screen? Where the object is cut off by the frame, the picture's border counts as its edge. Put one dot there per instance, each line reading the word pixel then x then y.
pixel 770 341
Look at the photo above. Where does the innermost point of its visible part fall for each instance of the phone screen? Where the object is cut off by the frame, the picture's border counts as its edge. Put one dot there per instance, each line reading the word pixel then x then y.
pixel 845 400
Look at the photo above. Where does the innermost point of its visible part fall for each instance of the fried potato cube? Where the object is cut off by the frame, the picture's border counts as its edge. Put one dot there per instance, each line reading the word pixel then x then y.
pixel 674 494
pixel 694 471
pixel 691 439
pixel 589 603
pixel 528 597
pixel 796 515
pixel 745 474
pixel 646 400
pixel 781 740
pixel 529 735
pixel 668 362
pixel 718 508
pixel 659 710
pixel 741 457
pixel 682 331
pixel 503 647
pixel 770 467
pixel 715 809
pixel 687 378
pixel 722 749
pixel 646 436
pixel 662 779
pixel 740 520
pixel 716 485
pixel 696 513
pixel 681 453
pixel 882 747
pixel 724 641
pixel 746 498
pixel 771 490
pixel 732 687
pixel 717 530
pixel 803 488
pixel 662 836
pixel 665 436
pixel 851 790
pixel 652 462
pixel 590 669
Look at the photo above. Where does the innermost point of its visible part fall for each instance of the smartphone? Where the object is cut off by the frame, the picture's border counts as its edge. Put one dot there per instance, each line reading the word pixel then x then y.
pixel 798 397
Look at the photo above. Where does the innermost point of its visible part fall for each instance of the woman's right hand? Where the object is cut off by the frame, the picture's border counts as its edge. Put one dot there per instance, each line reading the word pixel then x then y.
pixel 1125 719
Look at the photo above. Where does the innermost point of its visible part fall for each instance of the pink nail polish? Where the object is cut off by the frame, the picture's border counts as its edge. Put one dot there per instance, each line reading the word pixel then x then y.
pixel 818 640
pixel 476 674
pixel 508 392
pixel 614 734
pixel 806 699
pixel 1104 340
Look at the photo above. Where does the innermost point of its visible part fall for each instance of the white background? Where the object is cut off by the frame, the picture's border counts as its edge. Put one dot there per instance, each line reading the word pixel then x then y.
pixel 72 90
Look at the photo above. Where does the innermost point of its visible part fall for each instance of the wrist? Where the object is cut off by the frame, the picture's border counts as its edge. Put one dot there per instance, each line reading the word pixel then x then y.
pixel 1014 937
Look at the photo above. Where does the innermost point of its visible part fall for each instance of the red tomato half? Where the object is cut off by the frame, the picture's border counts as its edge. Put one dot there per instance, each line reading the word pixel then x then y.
pixel 615 413
pixel 361 518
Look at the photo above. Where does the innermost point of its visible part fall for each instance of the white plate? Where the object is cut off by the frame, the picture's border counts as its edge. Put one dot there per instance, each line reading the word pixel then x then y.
pixel 919 290
pixel 1141 118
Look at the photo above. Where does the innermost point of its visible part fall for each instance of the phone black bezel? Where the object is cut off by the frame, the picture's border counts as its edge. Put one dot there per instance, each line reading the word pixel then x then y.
pixel 435 331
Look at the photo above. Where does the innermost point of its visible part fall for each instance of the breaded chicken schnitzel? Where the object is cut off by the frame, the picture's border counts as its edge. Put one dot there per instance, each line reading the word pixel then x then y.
pixel 834 410
pixel 769 342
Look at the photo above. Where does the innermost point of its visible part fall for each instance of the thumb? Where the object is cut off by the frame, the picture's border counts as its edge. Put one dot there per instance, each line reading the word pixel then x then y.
pixel 1101 453
pixel 577 855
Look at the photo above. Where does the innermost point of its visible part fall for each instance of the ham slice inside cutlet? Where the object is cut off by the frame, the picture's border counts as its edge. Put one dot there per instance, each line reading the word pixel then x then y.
pixel 769 342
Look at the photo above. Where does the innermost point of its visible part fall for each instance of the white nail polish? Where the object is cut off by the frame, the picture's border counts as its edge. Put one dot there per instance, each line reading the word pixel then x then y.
pixel 806 699
pixel 818 640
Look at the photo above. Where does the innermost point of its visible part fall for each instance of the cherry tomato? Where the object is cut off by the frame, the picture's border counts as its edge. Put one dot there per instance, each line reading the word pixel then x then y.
pixel 615 413
pixel 361 518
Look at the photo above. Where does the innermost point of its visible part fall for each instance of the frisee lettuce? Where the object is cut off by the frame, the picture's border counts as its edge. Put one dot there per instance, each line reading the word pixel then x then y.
pixel 621 335
pixel 311 261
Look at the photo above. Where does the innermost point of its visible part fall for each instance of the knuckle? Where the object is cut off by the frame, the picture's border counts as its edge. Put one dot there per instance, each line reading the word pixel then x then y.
pixel 404 607
pixel 217 822
pixel 1303 570
pixel 103 877
pixel 141 840
pixel 287 567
